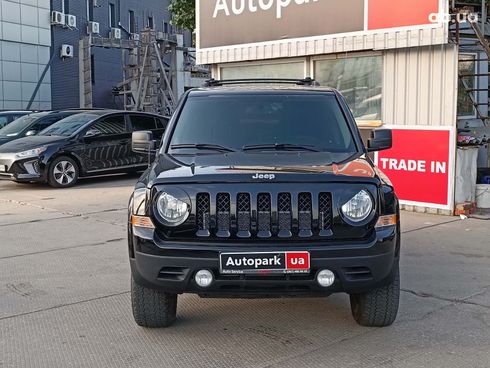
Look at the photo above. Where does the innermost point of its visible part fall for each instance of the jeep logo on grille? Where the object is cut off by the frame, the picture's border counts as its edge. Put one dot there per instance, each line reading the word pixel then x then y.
pixel 264 176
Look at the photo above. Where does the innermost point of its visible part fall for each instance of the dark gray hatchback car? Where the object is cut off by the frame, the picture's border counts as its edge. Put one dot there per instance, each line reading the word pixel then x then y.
pixel 86 143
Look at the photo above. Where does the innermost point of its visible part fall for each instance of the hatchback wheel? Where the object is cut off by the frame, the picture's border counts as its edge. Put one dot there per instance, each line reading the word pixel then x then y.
pixel 63 172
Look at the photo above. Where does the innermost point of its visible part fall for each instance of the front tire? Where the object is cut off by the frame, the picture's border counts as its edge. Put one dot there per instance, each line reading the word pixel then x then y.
pixel 378 307
pixel 63 172
pixel 152 308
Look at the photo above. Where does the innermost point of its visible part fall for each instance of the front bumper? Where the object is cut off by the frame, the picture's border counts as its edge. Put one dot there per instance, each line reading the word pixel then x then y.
pixel 358 267
pixel 25 170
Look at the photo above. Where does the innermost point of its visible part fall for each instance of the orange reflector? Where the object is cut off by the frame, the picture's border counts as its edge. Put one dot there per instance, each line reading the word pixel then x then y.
pixel 386 220
pixel 142 221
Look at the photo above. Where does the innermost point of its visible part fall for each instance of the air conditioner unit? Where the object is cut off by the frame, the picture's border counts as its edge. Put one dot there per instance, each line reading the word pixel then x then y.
pixel 93 28
pixel 71 21
pixel 66 51
pixel 57 18
pixel 115 33
pixel 135 36
pixel 97 3
pixel 160 36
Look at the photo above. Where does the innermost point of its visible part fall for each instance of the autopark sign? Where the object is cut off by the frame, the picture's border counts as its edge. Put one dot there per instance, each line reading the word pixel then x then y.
pixel 421 165
pixel 238 22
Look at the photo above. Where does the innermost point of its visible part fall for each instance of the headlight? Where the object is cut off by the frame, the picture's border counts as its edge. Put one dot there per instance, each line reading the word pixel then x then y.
pixel 36 152
pixel 172 210
pixel 359 207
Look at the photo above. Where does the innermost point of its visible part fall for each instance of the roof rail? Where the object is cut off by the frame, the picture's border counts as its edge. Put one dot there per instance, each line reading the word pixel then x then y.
pixel 299 82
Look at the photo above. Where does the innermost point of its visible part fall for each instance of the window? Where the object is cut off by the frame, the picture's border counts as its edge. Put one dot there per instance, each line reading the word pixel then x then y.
pixel 236 120
pixel 92 69
pixel 66 6
pixel 282 70
pixel 45 122
pixel 3 121
pixel 132 22
pixel 162 123
pixel 90 9
pixel 359 79
pixel 141 122
pixel 70 125
pixel 16 127
pixel 465 105
pixel 112 15
pixel 165 27
pixel 150 22
pixel 112 125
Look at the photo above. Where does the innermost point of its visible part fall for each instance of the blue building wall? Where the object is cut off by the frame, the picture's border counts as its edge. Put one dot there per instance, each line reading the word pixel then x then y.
pixel 108 65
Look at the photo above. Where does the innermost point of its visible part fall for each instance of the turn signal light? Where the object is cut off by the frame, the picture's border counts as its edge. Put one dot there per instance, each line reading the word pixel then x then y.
pixel 142 221
pixel 386 220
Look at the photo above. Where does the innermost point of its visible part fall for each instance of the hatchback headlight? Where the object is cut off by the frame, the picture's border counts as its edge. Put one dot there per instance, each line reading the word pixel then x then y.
pixel 172 210
pixel 359 207
pixel 36 152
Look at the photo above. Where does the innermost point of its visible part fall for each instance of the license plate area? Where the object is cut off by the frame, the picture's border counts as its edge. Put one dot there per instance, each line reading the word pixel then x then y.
pixel 264 263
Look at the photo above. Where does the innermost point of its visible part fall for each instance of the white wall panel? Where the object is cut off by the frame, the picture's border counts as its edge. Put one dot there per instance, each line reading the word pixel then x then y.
pixel 420 86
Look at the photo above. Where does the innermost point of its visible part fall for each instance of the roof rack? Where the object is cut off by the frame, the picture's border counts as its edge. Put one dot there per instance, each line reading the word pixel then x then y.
pixel 299 82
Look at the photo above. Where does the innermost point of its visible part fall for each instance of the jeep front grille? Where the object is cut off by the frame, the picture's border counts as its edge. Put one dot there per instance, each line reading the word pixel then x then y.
pixel 264 215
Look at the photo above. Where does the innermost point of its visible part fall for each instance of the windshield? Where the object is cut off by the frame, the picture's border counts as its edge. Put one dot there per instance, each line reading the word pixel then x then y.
pixel 19 125
pixel 70 125
pixel 265 122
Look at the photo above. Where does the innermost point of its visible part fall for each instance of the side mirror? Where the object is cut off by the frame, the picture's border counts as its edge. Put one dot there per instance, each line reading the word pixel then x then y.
pixel 381 139
pixel 92 133
pixel 30 133
pixel 142 142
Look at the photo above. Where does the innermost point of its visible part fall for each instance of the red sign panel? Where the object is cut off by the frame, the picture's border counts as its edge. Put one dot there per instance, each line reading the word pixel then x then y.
pixel 391 13
pixel 418 165
pixel 297 260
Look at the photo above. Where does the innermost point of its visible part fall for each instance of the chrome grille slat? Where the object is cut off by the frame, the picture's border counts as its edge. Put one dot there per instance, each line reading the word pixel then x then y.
pixel 284 210
pixel 243 215
pixel 223 215
pixel 304 215
pixel 264 215
pixel 202 214
pixel 325 214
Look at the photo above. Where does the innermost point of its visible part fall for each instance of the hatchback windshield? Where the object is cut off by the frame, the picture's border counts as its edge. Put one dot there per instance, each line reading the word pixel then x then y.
pixel 237 121
pixel 70 125
pixel 19 125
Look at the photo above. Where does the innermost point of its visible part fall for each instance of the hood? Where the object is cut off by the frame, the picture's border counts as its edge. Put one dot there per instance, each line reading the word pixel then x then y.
pixel 27 143
pixel 260 167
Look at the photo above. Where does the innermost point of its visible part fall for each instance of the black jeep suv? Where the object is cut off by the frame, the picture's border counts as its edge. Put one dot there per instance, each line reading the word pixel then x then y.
pixel 263 190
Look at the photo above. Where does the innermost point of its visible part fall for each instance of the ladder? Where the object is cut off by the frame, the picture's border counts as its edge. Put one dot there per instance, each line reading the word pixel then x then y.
pixel 479 46
pixel 148 81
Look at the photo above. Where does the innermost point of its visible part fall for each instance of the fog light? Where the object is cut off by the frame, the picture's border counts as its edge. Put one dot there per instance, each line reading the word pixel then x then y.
pixel 325 278
pixel 204 278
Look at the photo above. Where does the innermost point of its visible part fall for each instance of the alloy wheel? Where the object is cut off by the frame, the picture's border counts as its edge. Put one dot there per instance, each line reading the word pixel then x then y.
pixel 64 173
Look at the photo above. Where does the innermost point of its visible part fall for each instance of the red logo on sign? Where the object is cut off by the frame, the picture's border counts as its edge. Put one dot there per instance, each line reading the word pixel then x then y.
pixel 418 165
pixel 297 260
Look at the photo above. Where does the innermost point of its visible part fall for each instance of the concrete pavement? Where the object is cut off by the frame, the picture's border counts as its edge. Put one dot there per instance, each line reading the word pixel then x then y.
pixel 64 300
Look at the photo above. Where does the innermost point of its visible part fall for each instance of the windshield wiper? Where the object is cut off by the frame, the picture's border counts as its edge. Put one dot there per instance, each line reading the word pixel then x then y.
pixel 203 146
pixel 280 147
